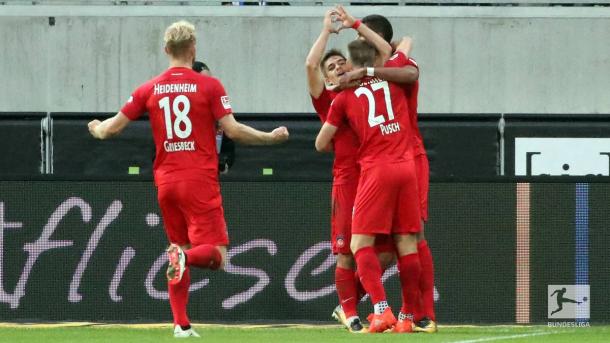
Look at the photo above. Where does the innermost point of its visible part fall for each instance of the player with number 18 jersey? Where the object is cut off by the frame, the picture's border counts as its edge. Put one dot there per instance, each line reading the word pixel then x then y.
pixel 183 107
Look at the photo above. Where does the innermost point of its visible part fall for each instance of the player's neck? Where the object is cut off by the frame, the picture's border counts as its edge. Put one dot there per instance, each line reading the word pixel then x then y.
pixel 177 63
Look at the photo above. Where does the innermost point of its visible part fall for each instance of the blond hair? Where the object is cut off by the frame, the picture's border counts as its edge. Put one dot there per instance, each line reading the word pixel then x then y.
pixel 362 53
pixel 179 36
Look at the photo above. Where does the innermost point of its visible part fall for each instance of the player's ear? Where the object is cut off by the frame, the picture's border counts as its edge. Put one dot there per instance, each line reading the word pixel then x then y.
pixel 193 51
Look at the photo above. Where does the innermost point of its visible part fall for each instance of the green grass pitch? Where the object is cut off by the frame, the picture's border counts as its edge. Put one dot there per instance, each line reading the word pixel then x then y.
pixel 294 334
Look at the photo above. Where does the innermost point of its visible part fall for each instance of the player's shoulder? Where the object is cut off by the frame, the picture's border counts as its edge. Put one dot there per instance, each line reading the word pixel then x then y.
pixel 336 98
pixel 207 78
pixel 327 93
pixel 210 83
pixel 411 61
pixel 148 86
pixel 399 59
pixel 343 94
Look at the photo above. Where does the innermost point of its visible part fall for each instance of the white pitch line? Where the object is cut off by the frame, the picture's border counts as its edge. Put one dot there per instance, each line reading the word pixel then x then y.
pixel 497 338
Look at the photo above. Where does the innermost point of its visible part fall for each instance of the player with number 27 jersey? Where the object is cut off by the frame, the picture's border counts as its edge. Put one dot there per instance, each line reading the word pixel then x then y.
pixel 183 107
pixel 387 199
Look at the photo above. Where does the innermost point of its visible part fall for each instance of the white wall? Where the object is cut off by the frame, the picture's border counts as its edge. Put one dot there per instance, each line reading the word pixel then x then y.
pixel 472 59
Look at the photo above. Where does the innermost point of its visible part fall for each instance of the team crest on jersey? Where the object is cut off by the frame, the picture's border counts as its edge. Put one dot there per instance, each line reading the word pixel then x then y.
pixel 340 241
pixel 225 102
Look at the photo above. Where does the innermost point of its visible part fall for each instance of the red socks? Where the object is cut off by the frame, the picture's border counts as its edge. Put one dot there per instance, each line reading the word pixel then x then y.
pixel 359 288
pixel 370 273
pixel 179 297
pixel 346 290
pixel 409 270
pixel 426 281
pixel 203 256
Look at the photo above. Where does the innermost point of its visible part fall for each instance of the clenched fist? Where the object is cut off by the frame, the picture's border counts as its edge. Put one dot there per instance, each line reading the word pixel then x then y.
pixel 280 134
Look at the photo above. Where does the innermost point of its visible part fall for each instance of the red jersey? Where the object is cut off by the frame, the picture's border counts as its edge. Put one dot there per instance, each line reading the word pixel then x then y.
pixel 183 107
pixel 378 112
pixel 399 60
pixel 345 143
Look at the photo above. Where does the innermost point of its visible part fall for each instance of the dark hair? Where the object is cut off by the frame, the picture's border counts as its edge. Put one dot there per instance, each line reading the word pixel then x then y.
pixel 362 53
pixel 198 66
pixel 330 53
pixel 379 24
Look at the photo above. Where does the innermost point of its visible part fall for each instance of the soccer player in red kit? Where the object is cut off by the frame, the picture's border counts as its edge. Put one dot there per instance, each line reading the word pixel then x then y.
pixel 386 200
pixel 331 65
pixel 402 69
pixel 183 107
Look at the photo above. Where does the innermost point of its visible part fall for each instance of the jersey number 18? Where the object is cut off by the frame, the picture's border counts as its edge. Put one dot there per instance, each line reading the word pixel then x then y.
pixel 181 115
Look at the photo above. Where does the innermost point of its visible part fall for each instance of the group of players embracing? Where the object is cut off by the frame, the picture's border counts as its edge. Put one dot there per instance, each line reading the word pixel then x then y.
pixel 368 106
pixel 380 176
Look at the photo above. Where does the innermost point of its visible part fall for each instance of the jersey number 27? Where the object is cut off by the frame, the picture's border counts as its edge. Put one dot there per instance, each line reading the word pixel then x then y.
pixel 375 119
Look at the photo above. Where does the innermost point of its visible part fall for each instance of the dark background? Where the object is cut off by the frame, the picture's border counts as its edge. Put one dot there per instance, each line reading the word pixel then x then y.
pixel 472 233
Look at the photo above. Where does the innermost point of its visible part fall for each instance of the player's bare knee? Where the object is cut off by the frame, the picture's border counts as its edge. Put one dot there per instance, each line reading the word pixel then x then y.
pixel 345 261
pixel 361 241
pixel 355 245
pixel 386 258
pixel 223 256
pixel 406 244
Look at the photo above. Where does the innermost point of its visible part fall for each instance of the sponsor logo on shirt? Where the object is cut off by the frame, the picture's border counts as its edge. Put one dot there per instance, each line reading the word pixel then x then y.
pixel 225 102
pixel 175 88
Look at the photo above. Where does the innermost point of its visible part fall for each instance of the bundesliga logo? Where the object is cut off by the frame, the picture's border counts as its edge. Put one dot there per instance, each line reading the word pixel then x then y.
pixel 225 102
pixel 569 302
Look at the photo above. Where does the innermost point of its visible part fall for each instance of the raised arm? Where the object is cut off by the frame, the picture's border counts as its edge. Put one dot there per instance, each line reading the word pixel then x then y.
pixel 315 83
pixel 384 48
pixel 404 45
pixel 109 127
pixel 246 135
pixel 403 75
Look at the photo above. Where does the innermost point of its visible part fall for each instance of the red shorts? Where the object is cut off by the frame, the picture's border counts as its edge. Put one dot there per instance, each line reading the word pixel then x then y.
pixel 387 201
pixel 422 170
pixel 343 197
pixel 192 213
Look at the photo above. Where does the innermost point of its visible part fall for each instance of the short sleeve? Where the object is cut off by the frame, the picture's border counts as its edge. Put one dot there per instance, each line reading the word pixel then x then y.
pixel 322 103
pixel 399 60
pixel 219 100
pixel 136 104
pixel 336 113
pixel 411 62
